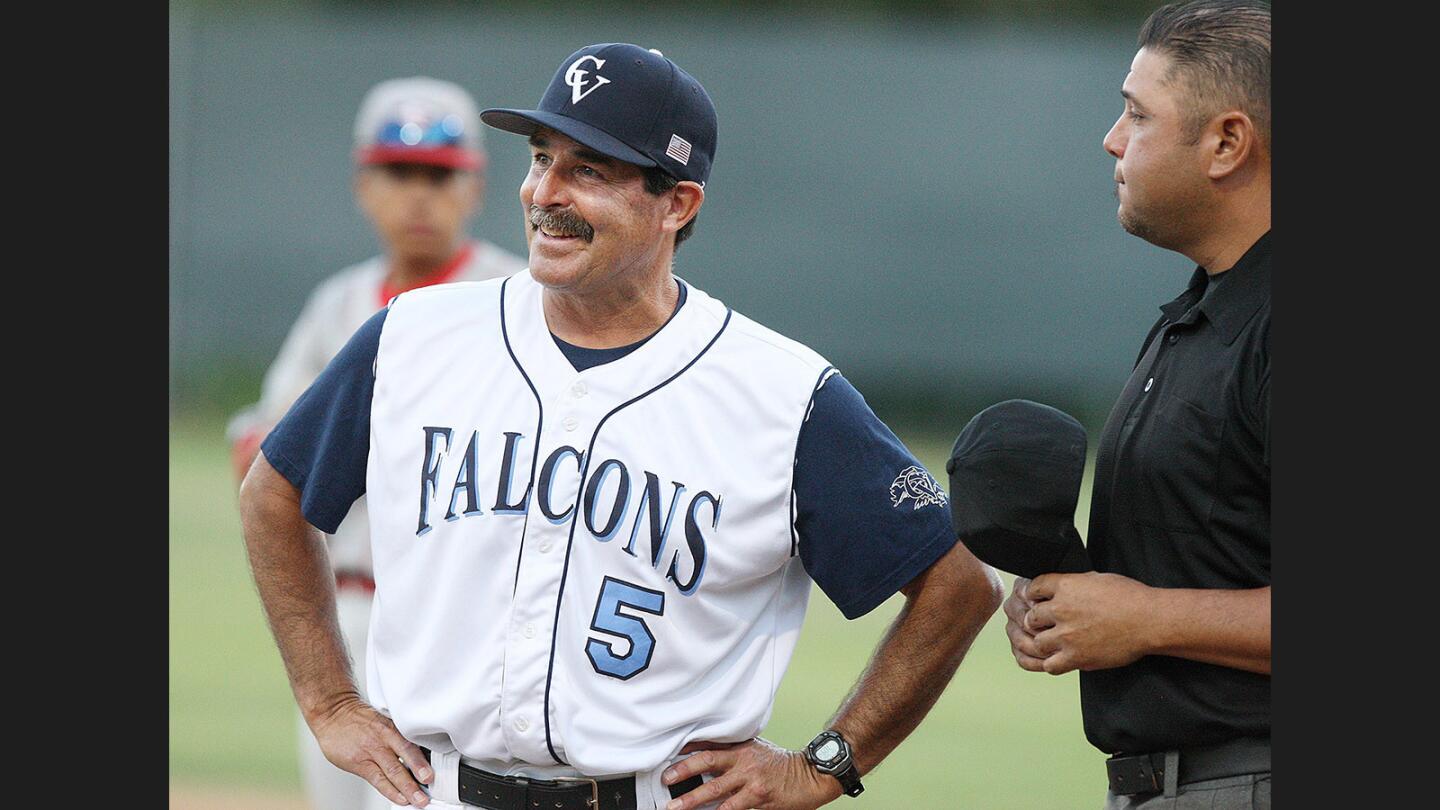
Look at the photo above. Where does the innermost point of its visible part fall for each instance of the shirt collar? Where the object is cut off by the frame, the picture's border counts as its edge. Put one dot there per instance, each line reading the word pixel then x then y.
pixel 444 274
pixel 1230 306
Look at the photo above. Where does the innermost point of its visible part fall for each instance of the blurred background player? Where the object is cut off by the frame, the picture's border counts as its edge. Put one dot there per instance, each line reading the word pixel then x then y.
pixel 419 179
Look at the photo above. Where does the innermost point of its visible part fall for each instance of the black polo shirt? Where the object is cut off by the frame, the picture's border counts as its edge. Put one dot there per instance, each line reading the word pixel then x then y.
pixel 1182 500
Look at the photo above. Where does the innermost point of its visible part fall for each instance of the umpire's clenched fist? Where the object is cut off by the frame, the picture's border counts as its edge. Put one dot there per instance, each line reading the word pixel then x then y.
pixel 1063 622
pixel 1022 641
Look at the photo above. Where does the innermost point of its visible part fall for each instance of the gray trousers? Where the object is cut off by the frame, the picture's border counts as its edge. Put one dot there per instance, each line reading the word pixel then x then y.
pixel 1245 792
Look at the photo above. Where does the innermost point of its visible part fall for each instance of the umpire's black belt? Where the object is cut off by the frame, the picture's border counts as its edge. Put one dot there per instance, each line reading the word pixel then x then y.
pixel 494 792
pixel 1146 773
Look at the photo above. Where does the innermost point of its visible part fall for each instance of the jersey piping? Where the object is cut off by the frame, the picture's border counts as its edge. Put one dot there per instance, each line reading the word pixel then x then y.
pixel 574 520
pixel 539 423
pixel 795 456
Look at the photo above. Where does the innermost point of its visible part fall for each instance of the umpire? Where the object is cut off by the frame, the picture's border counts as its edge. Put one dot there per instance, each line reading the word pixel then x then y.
pixel 1172 630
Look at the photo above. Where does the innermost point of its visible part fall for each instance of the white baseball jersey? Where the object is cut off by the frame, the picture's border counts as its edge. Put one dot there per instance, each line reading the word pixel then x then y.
pixel 586 570
pixel 648 573
pixel 336 308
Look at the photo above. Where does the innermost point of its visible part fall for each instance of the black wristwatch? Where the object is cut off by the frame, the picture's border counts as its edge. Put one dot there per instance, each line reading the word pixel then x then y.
pixel 830 754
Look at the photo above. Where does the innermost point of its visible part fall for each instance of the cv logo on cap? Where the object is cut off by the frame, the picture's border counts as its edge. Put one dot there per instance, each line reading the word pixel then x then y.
pixel 575 77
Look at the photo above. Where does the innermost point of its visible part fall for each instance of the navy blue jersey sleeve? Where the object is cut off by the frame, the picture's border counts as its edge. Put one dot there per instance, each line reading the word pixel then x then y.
pixel 868 516
pixel 322 444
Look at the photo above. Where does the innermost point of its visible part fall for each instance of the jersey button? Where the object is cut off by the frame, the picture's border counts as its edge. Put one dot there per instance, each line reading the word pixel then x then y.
pixel 529 630
pixel 544 546
pixel 570 422
pixel 521 724
pixel 579 389
pixel 1149 383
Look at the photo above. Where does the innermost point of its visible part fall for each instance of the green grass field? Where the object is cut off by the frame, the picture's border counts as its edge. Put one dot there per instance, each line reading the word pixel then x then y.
pixel 999 738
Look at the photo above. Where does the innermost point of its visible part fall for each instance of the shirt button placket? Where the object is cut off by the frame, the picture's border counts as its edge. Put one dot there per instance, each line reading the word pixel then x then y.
pixel 527 665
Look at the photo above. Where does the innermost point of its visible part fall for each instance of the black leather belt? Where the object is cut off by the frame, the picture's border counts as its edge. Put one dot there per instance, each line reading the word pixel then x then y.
pixel 1145 773
pixel 494 792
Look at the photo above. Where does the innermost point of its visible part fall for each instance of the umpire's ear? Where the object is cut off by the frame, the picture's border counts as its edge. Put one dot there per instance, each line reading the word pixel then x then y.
pixel 1231 143
pixel 685 201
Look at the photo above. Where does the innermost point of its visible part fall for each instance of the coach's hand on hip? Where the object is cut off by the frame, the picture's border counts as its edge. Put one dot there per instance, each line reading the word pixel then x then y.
pixel 753 774
pixel 361 740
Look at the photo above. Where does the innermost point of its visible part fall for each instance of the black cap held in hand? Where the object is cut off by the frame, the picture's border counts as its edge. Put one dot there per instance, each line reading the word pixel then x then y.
pixel 1014 481
pixel 626 102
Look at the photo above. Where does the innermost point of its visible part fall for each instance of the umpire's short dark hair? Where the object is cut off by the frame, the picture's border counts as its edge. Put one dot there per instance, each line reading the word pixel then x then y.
pixel 1220 55
pixel 657 182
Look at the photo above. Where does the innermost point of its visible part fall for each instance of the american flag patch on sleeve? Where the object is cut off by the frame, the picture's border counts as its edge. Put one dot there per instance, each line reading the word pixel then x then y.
pixel 679 149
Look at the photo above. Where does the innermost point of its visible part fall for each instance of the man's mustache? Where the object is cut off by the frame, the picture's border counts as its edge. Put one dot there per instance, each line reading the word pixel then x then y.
pixel 560 221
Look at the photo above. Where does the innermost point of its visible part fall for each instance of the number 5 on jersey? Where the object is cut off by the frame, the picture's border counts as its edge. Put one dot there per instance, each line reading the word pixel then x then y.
pixel 615 594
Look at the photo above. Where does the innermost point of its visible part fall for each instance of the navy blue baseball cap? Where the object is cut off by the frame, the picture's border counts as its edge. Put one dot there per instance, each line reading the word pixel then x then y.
pixel 628 103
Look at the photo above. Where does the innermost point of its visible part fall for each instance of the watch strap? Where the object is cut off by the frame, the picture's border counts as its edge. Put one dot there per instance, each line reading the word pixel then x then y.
pixel 850 781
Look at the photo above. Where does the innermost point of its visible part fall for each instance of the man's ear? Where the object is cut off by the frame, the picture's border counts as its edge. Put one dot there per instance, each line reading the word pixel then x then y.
pixel 1231 142
pixel 685 201
pixel 476 179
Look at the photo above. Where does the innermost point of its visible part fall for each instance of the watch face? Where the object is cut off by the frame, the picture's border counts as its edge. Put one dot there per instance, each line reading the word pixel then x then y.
pixel 827 751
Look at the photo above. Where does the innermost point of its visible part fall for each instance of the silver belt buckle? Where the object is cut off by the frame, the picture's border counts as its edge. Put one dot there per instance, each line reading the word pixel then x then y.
pixel 594 788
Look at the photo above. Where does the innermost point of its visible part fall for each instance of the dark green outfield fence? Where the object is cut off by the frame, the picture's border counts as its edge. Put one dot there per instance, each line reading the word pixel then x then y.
pixel 916 190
